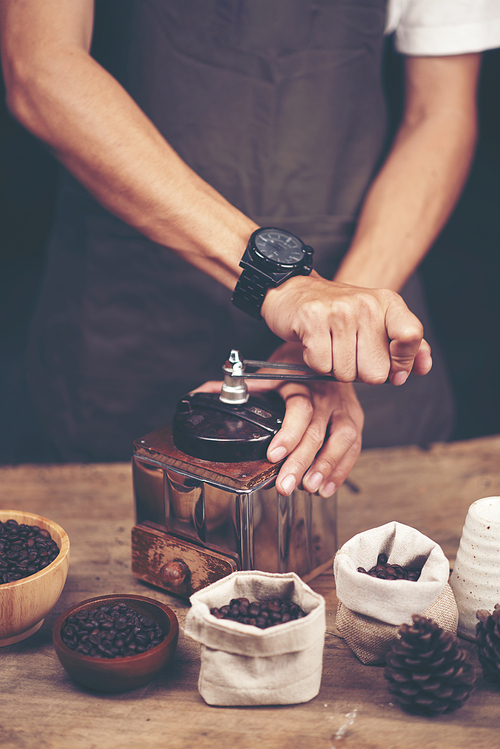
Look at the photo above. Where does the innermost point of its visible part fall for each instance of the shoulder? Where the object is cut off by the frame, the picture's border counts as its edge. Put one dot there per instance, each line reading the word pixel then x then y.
pixel 444 27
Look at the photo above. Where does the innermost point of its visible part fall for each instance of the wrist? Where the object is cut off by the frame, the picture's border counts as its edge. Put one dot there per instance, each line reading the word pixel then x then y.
pixel 276 296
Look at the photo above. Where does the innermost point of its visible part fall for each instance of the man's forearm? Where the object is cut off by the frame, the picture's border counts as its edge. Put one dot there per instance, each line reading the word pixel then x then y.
pixel 91 124
pixel 417 187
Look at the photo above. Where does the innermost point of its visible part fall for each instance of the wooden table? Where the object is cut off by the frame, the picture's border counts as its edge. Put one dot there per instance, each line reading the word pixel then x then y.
pixel 40 707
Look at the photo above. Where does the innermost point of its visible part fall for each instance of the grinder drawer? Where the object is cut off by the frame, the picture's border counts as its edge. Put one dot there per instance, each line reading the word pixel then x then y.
pixel 174 564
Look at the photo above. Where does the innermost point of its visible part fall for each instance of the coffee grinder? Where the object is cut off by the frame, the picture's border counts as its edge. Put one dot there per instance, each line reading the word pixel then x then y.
pixel 205 495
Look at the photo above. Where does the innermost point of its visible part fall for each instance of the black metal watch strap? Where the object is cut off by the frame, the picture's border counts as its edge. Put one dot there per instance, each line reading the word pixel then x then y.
pixel 249 293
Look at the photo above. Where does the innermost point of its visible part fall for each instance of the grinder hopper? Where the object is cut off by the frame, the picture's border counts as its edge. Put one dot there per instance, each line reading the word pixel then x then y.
pixel 205 495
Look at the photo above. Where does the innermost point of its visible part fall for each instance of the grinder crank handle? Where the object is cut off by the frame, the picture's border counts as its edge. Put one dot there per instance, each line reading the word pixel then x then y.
pixel 234 390
pixel 311 374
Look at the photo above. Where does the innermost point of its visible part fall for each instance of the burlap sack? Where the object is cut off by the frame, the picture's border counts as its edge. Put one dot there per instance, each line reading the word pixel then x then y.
pixel 371 610
pixel 244 665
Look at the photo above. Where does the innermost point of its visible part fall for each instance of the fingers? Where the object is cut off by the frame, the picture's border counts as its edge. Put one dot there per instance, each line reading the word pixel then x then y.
pixel 344 342
pixel 296 423
pixel 377 339
pixel 354 333
pixel 373 355
pixel 329 471
pixel 320 465
pixel 330 339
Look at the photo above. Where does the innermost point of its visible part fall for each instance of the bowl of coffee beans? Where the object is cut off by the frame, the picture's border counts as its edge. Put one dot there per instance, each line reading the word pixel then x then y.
pixel 115 643
pixel 34 561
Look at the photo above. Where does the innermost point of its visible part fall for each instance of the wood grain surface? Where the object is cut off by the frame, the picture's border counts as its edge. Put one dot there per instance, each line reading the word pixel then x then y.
pixel 40 707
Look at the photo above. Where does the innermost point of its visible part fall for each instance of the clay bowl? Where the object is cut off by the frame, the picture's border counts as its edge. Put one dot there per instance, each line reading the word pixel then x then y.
pixel 120 674
pixel 25 603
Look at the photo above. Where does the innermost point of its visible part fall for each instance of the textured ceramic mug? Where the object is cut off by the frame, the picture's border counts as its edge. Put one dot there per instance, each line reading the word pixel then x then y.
pixel 476 575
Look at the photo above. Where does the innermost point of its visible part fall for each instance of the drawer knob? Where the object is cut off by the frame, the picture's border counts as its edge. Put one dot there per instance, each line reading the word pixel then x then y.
pixel 174 573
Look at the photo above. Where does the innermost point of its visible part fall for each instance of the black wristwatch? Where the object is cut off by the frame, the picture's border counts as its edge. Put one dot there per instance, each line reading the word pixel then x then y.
pixel 272 257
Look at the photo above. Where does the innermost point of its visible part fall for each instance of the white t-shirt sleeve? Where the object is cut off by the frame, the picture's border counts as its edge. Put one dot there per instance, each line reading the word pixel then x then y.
pixel 444 27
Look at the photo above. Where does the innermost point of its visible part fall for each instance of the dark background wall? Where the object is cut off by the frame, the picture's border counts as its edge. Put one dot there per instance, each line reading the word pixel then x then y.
pixel 461 273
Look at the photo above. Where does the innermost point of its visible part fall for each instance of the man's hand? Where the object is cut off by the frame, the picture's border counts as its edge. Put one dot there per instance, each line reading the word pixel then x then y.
pixel 321 432
pixel 354 333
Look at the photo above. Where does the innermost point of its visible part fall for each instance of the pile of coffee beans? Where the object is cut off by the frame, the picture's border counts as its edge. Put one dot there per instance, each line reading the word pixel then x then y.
pixel 386 571
pixel 24 550
pixel 111 632
pixel 261 614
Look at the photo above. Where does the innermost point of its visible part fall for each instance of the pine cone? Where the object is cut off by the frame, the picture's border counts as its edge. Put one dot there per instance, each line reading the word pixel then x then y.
pixel 427 669
pixel 488 642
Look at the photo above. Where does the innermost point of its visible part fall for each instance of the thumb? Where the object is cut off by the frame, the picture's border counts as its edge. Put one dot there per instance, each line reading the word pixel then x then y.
pixel 423 360
pixel 405 332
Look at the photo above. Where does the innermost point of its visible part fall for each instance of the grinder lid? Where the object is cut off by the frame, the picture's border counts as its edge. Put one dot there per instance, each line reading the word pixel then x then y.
pixel 206 428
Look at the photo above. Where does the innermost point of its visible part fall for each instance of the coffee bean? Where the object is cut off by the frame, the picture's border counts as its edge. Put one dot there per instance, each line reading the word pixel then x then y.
pixel 254 609
pixel 260 614
pixel 385 571
pixel 111 632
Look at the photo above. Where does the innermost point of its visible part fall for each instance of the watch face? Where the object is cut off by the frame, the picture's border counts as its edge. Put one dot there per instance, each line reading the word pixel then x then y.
pixel 279 246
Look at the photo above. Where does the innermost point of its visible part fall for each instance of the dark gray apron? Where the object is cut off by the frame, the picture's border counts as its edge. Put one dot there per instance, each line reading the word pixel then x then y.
pixel 280 106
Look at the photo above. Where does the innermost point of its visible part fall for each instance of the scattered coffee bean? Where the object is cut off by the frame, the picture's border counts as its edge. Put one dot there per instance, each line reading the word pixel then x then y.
pixel 24 550
pixel 260 614
pixel 385 571
pixel 111 632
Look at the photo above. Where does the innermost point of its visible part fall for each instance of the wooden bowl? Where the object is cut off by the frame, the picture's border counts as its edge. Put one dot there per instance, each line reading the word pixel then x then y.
pixel 25 603
pixel 119 674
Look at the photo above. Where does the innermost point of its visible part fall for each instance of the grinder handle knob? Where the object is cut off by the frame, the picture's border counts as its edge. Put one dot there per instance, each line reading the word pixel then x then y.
pixel 174 573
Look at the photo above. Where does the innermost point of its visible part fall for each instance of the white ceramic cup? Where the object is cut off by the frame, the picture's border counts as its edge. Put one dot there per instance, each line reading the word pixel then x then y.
pixel 476 575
